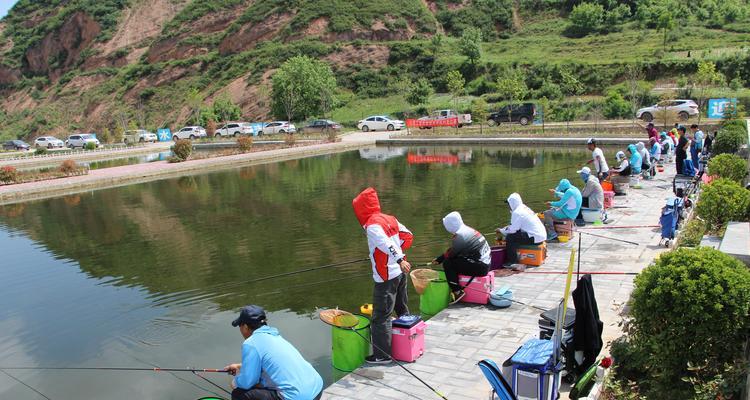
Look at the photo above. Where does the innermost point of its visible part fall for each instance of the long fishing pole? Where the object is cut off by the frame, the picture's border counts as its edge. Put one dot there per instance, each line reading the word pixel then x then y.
pixel 155 369
pixel 621 227
pixel 212 383
pixel 25 384
pixel 584 273
pixel 442 396
pixel 610 238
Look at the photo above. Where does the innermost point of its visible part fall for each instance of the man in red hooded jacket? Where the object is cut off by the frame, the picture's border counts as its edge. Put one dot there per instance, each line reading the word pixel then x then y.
pixel 387 240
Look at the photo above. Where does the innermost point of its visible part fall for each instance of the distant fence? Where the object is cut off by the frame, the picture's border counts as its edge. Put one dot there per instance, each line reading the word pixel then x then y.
pixel 58 153
pixel 431 123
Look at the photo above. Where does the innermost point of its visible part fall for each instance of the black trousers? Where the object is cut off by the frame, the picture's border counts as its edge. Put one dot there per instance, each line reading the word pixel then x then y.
pixel 260 394
pixel 464 266
pixel 512 242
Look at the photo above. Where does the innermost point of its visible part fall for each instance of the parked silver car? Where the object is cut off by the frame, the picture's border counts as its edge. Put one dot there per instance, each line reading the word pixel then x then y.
pixel 139 136
pixel 80 140
pixel 684 109
pixel 48 142
pixel 189 132
pixel 278 127
pixel 235 129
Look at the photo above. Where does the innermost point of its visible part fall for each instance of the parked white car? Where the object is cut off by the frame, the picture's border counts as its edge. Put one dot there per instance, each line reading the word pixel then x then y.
pixel 189 132
pixel 139 136
pixel 278 127
pixel 235 129
pixel 684 109
pixel 48 142
pixel 80 140
pixel 380 123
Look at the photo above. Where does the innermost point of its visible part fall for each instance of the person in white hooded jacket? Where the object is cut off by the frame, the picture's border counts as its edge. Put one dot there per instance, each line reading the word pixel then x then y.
pixel 468 255
pixel 525 228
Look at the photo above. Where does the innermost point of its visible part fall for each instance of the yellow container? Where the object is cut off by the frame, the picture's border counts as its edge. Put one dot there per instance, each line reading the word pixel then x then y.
pixel 366 309
pixel 563 238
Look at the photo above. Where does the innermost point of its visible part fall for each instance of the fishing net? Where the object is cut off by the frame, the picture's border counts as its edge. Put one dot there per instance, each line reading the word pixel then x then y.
pixel 422 278
pixel 339 318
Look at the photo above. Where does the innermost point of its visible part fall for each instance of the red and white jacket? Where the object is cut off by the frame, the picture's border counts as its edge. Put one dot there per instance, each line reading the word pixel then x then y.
pixel 386 237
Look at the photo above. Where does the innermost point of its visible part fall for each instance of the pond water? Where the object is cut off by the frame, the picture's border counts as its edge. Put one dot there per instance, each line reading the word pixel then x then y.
pixel 152 274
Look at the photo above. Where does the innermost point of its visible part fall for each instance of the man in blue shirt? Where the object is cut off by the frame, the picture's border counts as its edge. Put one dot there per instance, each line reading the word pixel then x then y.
pixel 271 369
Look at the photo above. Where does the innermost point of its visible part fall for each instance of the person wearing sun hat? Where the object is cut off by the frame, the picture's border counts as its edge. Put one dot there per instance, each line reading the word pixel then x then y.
pixel 592 193
pixel 271 369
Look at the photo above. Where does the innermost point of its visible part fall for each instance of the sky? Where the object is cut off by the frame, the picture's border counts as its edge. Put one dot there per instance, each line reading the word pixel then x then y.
pixel 5 5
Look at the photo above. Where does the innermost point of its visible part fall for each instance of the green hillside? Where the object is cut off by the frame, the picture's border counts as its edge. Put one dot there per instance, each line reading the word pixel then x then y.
pixel 92 64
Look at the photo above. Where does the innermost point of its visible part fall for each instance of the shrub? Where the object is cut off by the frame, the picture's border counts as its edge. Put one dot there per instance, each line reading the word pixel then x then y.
pixel 90 146
pixel 615 106
pixel 68 167
pixel 40 151
pixel 586 18
pixel 290 140
pixel 693 233
pixel 210 128
pixel 182 149
pixel 8 174
pixel 722 201
pixel 728 166
pixel 332 136
pixel 689 309
pixel 729 140
pixel 245 143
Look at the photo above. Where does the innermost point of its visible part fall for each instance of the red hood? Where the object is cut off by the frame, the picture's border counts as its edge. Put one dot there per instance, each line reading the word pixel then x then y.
pixel 365 205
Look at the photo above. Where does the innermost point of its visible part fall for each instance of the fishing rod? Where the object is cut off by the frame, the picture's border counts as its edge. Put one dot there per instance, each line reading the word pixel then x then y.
pixel 584 272
pixel 155 369
pixel 25 384
pixel 621 227
pixel 610 238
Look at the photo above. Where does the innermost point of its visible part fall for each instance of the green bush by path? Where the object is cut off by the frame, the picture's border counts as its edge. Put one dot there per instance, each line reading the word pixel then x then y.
pixel 693 232
pixel 729 139
pixel 728 166
pixel 689 320
pixel 723 201
pixel 182 149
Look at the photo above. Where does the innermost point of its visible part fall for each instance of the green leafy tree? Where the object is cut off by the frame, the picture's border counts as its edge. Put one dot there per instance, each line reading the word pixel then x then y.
pixel 511 87
pixel 194 100
pixel 665 23
pixel 419 92
pixel 119 133
pixel 470 44
pixel 479 112
pixel 436 43
pixel 615 106
pixel 586 18
pixel 706 77
pixel 105 136
pixel 224 109
pixel 302 87
pixel 455 83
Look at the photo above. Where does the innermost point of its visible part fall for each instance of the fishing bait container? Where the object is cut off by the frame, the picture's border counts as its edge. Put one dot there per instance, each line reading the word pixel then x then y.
pixel 533 255
pixel 350 349
pixel 497 257
pixel 502 297
pixel 477 289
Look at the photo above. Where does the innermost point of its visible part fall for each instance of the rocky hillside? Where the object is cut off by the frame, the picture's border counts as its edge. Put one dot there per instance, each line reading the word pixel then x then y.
pixel 88 64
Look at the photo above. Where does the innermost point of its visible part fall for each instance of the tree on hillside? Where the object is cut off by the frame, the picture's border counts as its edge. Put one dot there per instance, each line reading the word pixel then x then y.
pixel 455 82
pixel 302 87
pixel 225 109
pixel 419 92
pixel 436 43
pixel 586 18
pixel 665 23
pixel 471 44
pixel 194 101
pixel 706 77
pixel 633 76
pixel 512 88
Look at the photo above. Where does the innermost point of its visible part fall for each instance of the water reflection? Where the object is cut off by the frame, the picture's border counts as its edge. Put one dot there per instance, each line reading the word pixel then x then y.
pixel 152 273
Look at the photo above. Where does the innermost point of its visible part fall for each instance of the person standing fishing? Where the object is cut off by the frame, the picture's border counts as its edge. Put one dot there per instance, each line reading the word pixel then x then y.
pixel 271 369
pixel 598 159
pixel 525 228
pixel 469 254
pixel 387 240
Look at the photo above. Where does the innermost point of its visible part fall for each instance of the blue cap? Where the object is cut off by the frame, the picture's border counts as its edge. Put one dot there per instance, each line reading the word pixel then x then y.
pixel 252 316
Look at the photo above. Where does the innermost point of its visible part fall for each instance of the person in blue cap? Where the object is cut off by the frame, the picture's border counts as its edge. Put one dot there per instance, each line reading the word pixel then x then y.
pixel 271 369
pixel 567 207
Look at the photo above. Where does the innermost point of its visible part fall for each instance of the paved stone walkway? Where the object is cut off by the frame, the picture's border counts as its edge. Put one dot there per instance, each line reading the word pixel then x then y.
pixel 460 336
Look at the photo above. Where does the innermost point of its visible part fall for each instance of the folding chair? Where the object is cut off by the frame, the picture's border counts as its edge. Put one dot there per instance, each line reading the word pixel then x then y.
pixel 500 386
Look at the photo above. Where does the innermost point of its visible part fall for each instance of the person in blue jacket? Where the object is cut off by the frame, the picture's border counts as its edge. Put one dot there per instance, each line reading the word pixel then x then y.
pixel 271 369
pixel 636 161
pixel 567 207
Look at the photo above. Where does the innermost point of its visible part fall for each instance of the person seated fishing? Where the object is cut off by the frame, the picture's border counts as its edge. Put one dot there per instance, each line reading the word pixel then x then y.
pixel 646 167
pixel 623 167
pixel 592 193
pixel 387 240
pixel 667 147
pixel 271 368
pixel 567 208
pixel 636 161
pixel 469 254
pixel 655 152
pixel 525 228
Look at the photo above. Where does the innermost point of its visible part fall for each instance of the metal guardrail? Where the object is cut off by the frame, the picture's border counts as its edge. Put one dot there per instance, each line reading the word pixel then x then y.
pixel 70 152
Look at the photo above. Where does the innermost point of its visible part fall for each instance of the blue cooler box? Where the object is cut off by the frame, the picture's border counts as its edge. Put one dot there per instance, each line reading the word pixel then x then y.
pixel 531 371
